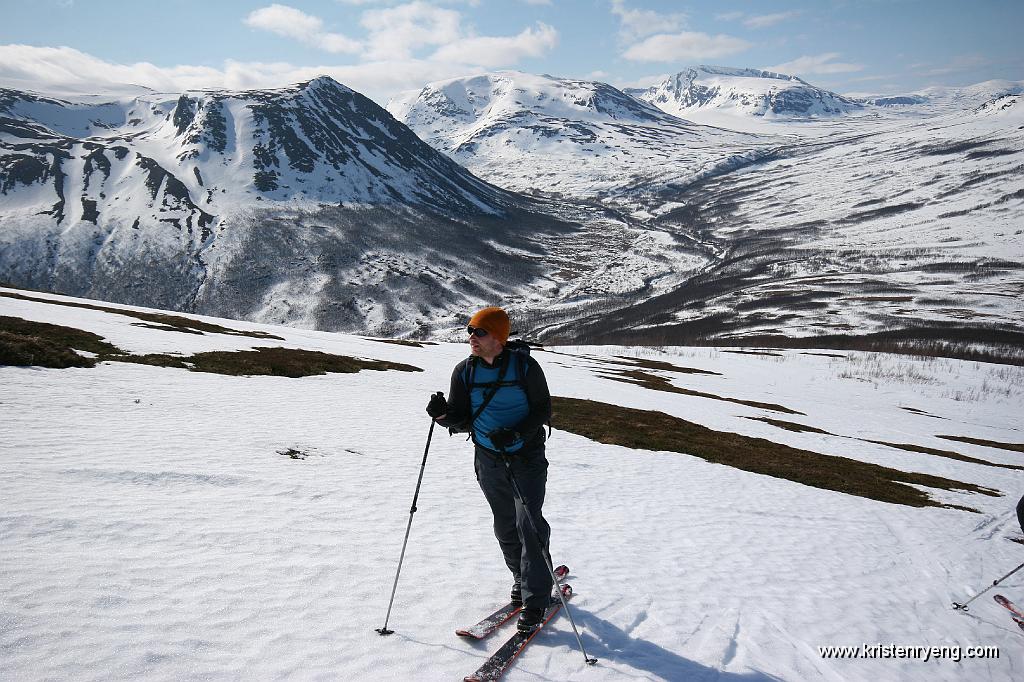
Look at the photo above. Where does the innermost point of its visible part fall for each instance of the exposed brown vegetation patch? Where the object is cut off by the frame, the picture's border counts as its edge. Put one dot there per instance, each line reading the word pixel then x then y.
pixel 278 362
pixel 162 321
pixel 646 363
pixel 754 352
pixel 790 426
pixel 910 447
pixel 921 412
pixel 651 430
pixel 402 342
pixel 40 344
pixel 166 328
pixel 1015 447
pixel 656 383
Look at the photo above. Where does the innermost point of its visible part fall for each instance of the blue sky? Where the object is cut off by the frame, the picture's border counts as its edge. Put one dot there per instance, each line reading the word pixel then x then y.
pixel 381 47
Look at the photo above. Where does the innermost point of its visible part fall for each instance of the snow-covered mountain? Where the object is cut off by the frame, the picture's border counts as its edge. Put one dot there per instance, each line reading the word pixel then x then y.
pixel 263 203
pixel 581 139
pixel 943 99
pixel 744 92
pixel 189 158
pixel 908 230
pixel 901 222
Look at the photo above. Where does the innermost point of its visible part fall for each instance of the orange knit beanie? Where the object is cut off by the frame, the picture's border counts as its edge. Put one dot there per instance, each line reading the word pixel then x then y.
pixel 495 321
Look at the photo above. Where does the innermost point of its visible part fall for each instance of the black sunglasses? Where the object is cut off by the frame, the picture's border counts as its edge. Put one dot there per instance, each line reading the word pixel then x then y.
pixel 476 331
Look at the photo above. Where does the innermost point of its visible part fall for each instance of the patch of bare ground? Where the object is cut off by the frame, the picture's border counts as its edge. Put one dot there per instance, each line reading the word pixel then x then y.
pixel 38 344
pixel 24 343
pixel 651 430
pixel 278 362
pixel 1014 447
pixel 646 363
pixel 949 454
pixel 162 321
pixel 790 426
pixel 754 352
pixel 922 412
pixel 656 383
pixel 824 355
pixel 403 342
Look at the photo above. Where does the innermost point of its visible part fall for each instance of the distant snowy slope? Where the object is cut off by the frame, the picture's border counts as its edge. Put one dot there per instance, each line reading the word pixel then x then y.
pixel 317 141
pixel 557 135
pixel 743 92
pixel 267 204
pixel 905 228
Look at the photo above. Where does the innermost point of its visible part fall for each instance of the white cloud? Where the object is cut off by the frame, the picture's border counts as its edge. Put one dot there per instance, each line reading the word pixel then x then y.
pixel 685 46
pixel 638 23
pixel 399 33
pixel 729 16
pixel 498 51
pixel 404 47
pixel 959 63
pixel 48 68
pixel 293 23
pixel 864 79
pixel 64 69
pixel 815 64
pixel 642 82
pixel 396 31
pixel 766 20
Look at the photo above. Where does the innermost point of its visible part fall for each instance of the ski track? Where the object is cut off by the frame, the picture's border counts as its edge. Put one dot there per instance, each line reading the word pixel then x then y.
pixel 151 529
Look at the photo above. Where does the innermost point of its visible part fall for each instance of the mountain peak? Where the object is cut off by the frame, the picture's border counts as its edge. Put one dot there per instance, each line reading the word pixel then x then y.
pixel 747 92
pixel 323 82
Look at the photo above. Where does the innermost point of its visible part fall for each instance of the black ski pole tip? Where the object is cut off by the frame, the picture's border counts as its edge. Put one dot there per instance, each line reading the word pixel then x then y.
pixel 385 631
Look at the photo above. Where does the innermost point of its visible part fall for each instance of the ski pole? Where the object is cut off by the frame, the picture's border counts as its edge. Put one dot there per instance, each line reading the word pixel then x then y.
pixel 536 537
pixel 963 607
pixel 384 630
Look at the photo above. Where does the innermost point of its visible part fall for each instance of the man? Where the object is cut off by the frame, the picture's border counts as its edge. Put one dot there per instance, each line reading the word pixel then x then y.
pixel 500 396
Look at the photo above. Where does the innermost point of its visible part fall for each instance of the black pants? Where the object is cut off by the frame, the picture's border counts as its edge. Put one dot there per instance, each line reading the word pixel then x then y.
pixel 523 556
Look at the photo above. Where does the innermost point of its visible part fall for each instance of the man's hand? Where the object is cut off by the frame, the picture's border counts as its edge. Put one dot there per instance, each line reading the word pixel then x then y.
pixel 438 406
pixel 503 437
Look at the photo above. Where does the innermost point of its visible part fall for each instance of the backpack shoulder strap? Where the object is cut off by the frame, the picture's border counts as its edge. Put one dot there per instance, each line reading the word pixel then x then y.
pixel 491 392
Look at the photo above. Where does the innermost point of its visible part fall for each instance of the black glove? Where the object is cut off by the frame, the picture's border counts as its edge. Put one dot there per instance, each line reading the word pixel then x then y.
pixel 503 437
pixel 437 405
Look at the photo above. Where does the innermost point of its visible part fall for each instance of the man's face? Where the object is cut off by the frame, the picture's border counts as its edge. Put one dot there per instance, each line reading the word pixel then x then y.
pixel 484 346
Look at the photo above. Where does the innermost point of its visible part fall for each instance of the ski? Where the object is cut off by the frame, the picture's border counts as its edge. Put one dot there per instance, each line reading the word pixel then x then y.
pixel 501 616
pixel 499 662
pixel 1015 612
pixel 1009 605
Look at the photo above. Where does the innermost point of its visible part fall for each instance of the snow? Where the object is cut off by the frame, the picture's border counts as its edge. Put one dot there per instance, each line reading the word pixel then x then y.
pixel 579 138
pixel 151 529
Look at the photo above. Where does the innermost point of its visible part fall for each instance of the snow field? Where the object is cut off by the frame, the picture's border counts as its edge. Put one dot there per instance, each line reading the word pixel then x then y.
pixel 150 529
